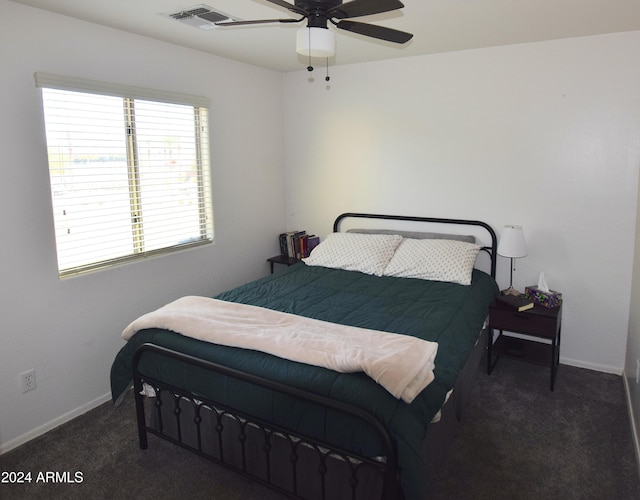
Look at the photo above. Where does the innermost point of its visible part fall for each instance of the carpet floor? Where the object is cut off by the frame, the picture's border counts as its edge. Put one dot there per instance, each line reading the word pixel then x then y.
pixel 518 441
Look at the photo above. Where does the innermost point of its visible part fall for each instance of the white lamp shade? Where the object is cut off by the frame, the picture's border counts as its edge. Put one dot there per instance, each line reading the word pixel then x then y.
pixel 512 243
pixel 315 42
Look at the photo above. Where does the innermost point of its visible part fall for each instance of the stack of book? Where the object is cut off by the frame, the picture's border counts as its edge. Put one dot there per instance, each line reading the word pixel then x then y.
pixel 297 244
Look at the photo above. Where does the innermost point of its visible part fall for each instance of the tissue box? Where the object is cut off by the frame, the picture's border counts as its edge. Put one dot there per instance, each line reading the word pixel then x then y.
pixel 545 299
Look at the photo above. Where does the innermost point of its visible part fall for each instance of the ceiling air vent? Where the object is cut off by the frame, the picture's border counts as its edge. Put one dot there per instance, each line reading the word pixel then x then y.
pixel 200 16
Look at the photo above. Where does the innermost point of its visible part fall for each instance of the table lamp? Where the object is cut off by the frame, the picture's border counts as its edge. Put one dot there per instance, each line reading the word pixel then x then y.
pixel 513 246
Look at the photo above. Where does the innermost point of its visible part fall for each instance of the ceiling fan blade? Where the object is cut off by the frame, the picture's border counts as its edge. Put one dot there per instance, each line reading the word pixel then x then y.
pixel 289 6
pixel 258 21
pixel 374 31
pixel 357 8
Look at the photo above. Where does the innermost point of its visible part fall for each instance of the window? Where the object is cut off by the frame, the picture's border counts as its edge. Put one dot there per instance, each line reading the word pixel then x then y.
pixel 129 171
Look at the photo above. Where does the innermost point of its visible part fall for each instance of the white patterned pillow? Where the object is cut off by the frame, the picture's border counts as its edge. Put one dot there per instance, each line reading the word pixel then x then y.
pixel 367 253
pixel 437 260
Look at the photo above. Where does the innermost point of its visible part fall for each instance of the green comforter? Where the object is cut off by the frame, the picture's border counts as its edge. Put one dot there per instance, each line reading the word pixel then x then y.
pixel 447 313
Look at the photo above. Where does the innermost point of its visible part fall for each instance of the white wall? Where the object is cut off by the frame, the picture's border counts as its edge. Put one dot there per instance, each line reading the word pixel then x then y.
pixel 69 330
pixel 546 135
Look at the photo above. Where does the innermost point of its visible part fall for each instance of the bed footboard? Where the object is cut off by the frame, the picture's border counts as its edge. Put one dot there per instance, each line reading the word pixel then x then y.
pixel 272 455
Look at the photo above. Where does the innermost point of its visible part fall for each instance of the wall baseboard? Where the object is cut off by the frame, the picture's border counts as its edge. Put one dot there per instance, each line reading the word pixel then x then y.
pixel 634 429
pixel 591 366
pixel 56 422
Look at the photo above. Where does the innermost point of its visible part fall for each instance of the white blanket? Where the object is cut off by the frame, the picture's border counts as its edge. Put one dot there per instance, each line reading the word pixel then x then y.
pixel 402 364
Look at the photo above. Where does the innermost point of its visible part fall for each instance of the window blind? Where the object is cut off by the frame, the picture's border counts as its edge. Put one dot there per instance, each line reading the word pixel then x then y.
pixel 129 172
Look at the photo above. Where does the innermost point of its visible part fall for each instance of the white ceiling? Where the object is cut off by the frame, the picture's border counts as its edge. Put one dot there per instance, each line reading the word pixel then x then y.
pixel 437 25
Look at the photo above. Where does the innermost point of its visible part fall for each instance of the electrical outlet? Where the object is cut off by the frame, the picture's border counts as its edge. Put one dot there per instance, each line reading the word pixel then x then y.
pixel 28 380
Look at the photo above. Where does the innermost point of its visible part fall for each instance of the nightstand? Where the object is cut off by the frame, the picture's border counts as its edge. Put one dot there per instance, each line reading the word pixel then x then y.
pixel 282 259
pixel 540 325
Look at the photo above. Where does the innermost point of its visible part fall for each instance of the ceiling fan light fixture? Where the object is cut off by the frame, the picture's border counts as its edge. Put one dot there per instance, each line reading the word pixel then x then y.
pixel 315 42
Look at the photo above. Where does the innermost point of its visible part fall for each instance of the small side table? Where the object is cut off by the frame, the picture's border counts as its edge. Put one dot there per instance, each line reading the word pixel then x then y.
pixel 539 322
pixel 282 259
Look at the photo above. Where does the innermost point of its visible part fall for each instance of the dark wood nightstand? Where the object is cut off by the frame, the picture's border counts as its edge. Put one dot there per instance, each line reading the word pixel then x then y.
pixel 282 259
pixel 540 323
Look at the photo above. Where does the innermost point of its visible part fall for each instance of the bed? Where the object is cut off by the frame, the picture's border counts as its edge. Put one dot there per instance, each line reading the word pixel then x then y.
pixel 304 429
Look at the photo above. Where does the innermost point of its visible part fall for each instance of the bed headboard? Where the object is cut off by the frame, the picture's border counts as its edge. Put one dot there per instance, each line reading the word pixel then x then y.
pixel 483 232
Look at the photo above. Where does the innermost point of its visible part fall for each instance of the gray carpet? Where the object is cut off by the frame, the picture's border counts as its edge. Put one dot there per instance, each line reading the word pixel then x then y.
pixel 521 441
pixel 518 441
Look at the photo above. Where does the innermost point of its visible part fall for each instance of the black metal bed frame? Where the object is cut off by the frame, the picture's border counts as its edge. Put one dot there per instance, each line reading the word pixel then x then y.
pixel 322 450
pixel 185 405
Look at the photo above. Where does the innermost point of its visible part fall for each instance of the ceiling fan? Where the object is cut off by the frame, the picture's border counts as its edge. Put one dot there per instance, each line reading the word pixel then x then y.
pixel 319 12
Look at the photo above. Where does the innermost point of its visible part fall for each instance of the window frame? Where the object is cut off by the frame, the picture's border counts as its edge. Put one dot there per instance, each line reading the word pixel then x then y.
pixel 130 94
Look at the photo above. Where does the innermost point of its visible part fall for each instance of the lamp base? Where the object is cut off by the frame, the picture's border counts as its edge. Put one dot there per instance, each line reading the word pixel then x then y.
pixel 511 291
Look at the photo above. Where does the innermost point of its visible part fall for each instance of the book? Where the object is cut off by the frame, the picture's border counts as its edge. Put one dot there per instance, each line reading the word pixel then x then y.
pixel 283 243
pixel 312 242
pixel 518 302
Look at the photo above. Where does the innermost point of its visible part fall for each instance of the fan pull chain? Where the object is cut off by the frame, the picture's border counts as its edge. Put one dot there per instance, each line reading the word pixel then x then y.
pixel 327 78
pixel 309 68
